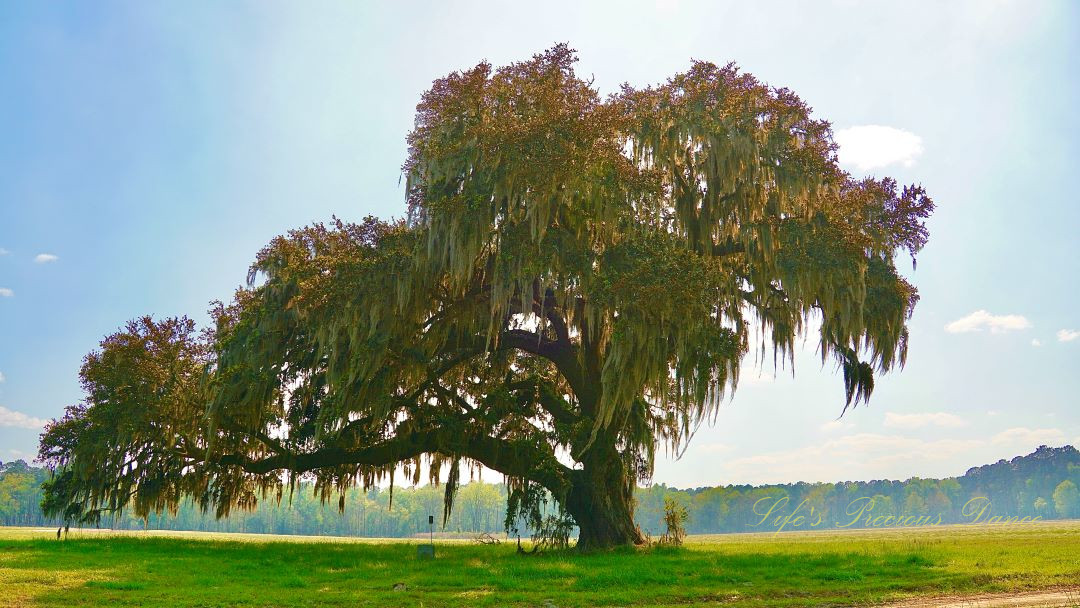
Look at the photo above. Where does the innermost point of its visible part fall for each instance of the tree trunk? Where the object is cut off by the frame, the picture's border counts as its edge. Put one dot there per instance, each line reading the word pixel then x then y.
pixel 601 502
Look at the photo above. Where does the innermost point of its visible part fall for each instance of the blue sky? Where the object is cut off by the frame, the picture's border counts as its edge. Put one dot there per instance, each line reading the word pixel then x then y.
pixel 148 150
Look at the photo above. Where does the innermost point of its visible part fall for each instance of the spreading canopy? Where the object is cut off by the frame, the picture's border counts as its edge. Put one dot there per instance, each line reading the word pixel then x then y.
pixel 574 286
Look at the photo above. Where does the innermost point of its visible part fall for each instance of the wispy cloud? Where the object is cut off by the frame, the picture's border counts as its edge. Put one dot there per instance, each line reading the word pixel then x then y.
pixel 714 448
pixel 21 455
pixel 756 379
pixel 856 456
pixel 667 6
pixel 20 420
pixel 1029 438
pixel 836 425
pixel 45 258
pixel 2 378
pixel 1036 342
pixel 4 251
pixel 1067 335
pixel 981 319
pixel 918 421
pixel 6 293
pixel 879 456
pixel 875 146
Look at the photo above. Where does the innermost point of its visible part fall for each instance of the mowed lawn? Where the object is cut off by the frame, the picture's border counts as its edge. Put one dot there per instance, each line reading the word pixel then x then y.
pixel 792 569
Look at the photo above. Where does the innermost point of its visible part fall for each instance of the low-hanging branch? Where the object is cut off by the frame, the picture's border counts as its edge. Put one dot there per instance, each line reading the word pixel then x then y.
pixel 511 459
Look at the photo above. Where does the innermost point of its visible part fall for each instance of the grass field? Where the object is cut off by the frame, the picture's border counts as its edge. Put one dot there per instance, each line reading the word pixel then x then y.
pixel 792 569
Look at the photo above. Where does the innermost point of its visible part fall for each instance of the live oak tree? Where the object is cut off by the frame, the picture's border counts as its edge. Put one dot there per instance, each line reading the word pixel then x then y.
pixel 573 288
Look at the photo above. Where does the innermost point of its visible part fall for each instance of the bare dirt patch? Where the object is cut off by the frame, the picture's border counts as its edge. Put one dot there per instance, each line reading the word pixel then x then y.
pixel 1053 598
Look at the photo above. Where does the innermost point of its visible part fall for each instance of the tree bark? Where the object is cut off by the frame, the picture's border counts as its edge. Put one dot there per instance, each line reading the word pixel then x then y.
pixel 601 501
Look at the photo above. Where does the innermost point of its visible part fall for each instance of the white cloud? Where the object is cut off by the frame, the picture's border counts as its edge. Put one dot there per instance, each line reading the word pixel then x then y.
pixel 6 293
pixel 714 448
pixel 835 425
pixel 667 6
pixel 918 421
pixel 861 456
pixel 1067 335
pixel 2 378
pixel 1026 438
pixel 21 455
pixel 866 456
pixel 756 379
pixel 980 320
pixel 1036 342
pixel 4 251
pixel 19 420
pixel 875 146
pixel 45 258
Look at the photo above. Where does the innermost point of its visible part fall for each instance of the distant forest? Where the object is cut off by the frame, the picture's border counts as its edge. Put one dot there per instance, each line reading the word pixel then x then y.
pixel 1043 484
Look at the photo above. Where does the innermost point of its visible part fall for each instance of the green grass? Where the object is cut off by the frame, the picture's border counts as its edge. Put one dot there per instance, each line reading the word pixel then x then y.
pixel 796 569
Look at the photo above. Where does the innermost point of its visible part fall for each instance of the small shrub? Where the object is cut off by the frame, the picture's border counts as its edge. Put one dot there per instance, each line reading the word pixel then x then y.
pixel 675 516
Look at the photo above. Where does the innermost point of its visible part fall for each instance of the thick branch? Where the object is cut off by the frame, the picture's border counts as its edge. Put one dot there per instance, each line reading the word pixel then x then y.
pixel 548 399
pixel 515 459
pixel 550 310
pixel 562 356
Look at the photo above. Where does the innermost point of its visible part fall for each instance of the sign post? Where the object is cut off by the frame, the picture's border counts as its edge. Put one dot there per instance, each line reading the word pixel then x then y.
pixel 428 551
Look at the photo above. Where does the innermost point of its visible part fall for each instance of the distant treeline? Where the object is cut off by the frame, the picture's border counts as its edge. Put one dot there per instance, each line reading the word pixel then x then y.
pixel 1043 484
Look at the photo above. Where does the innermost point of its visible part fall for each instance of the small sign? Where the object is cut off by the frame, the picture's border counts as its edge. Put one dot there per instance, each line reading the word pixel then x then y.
pixel 425 551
